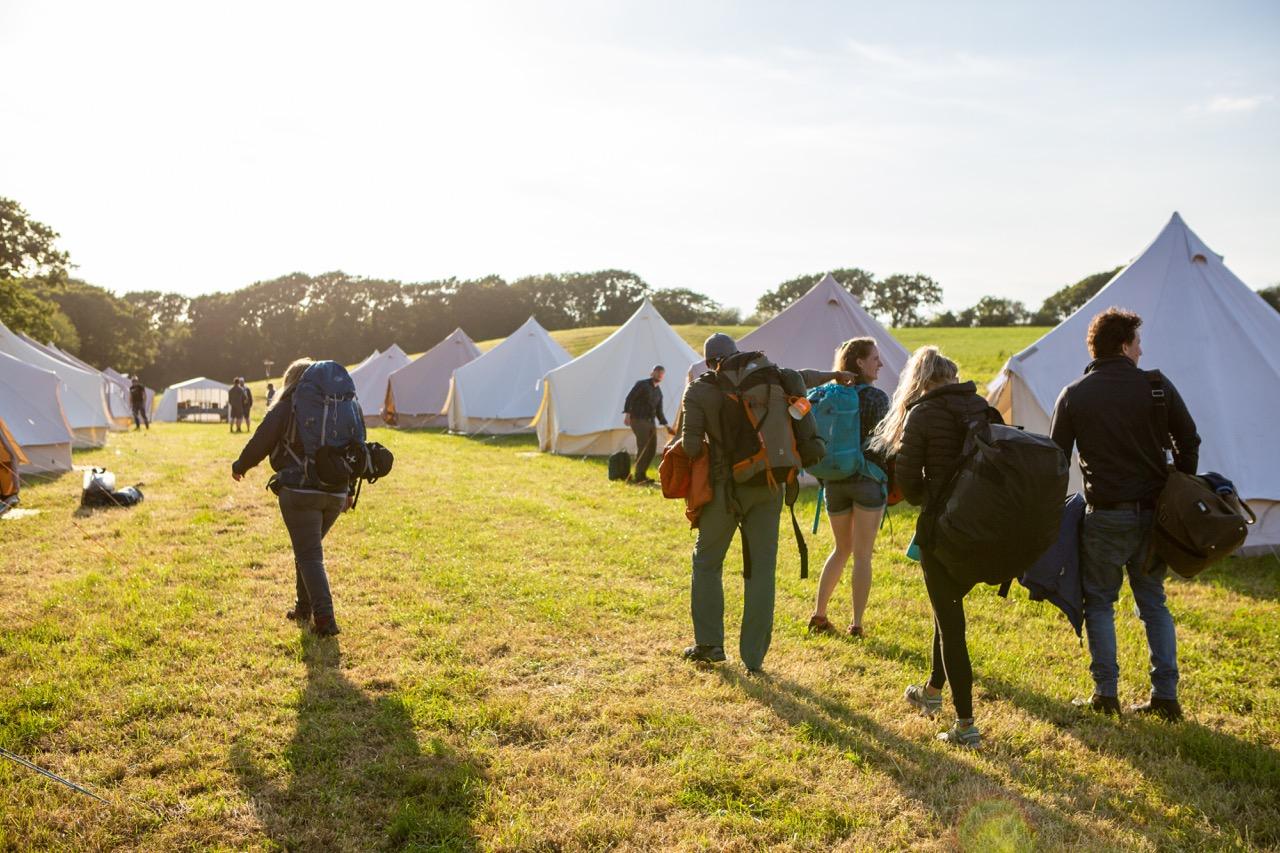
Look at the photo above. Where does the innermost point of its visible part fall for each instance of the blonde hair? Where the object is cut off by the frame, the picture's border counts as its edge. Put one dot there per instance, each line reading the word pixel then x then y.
pixel 927 369
pixel 292 374
pixel 849 352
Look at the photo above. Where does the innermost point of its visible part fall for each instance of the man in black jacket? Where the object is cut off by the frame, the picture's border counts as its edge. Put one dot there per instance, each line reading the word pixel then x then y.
pixel 643 406
pixel 138 403
pixel 1121 418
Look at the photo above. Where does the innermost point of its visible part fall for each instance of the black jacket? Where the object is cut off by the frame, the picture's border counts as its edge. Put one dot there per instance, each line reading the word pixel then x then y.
pixel 644 401
pixel 137 395
pixel 933 439
pixel 1109 414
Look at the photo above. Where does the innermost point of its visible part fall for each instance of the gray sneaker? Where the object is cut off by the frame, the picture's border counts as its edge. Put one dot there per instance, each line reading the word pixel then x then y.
pixel 959 735
pixel 928 705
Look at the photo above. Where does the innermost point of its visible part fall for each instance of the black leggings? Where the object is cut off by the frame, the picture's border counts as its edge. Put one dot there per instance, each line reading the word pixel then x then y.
pixel 950 652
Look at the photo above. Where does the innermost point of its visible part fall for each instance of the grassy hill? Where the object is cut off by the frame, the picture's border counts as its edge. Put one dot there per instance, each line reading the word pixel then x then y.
pixel 508 678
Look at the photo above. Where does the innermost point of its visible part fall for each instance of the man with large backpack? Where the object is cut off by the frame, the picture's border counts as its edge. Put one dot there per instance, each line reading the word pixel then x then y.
pixel 740 408
pixel 1122 419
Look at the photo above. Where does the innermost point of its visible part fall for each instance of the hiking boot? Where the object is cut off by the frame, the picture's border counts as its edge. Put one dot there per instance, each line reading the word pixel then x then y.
pixel 643 481
pixel 821 625
pixel 299 614
pixel 1165 709
pixel 704 654
pixel 1101 704
pixel 928 705
pixel 856 632
pixel 325 626
pixel 961 734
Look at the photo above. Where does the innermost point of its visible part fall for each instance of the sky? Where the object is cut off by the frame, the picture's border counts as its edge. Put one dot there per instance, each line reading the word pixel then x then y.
pixel 1001 148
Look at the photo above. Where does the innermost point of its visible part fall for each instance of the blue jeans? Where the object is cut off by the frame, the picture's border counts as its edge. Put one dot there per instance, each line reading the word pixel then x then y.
pixel 1111 542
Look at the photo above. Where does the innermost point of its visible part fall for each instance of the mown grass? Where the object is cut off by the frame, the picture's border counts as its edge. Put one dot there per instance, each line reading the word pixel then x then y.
pixel 508 679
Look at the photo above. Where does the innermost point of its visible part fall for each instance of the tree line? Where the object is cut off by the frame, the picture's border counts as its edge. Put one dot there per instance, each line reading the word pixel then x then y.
pixel 167 337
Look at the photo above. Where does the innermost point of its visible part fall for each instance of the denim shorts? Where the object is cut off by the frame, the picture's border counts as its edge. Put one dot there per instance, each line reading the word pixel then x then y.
pixel 842 495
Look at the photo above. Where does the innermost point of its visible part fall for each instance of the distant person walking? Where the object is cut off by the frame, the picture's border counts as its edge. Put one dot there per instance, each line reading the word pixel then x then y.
pixel 855 505
pixel 753 509
pixel 1110 414
pixel 271 394
pixel 642 408
pixel 924 433
pixel 309 511
pixel 138 403
pixel 239 401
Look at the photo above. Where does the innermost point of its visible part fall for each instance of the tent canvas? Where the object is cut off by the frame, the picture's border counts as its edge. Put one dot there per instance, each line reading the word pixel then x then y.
pixel 1204 328
pixel 30 406
pixel 371 377
pixel 417 392
pixel 81 394
pixel 111 395
pixel 124 382
pixel 581 410
pixel 499 392
pixel 805 335
pixel 193 400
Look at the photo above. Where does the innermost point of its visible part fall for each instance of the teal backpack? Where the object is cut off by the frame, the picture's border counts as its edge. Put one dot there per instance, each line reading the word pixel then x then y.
pixel 838 414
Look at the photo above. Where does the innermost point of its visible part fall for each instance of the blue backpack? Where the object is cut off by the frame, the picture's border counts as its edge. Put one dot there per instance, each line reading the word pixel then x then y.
pixel 327 422
pixel 837 411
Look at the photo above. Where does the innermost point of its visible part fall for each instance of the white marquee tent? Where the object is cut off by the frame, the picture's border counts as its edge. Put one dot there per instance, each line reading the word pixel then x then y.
pixel 417 392
pixel 194 399
pixel 371 377
pixel 83 400
pixel 1215 339
pixel 806 334
pixel 581 411
pixel 499 392
pixel 29 404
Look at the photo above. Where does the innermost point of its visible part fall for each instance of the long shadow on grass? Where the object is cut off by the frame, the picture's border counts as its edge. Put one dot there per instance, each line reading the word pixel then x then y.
pixel 1256 577
pixel 355 775
pixel 980 807
pixel 1249 771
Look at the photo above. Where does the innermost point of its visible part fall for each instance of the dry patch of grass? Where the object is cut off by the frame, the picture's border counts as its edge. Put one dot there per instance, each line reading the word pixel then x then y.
pixel 508 679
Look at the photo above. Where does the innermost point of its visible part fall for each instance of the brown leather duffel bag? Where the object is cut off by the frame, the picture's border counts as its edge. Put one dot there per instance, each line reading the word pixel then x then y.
pixel 1197 524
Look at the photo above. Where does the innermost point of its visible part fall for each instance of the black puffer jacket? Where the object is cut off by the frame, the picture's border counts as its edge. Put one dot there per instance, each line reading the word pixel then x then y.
pixel 933 439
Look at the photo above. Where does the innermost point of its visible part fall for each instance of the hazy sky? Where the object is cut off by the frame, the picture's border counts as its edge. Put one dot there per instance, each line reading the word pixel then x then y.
pixel 1002 148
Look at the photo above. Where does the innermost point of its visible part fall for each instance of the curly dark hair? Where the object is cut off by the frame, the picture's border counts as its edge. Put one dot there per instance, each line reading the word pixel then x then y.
pixel 1110 331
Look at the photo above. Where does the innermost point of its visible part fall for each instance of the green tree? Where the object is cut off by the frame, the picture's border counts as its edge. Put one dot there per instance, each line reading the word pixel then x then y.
pixel 26 246
pixel 113 332
pixel 857 281
pixel 995 311
pixel 681 305
pixel 1271 295
pixel 901 297
pixel 23 311
pixel 1067 300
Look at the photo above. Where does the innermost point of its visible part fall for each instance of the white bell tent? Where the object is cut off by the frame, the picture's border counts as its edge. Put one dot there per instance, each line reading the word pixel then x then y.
pixel 82 396
pixel 499 392
pixel 198 399
pixel 30 405
pixel 1215 339
pixel 805 335
pixel 114 400
pixel 581 411
pixel 371 377
pixel 417 392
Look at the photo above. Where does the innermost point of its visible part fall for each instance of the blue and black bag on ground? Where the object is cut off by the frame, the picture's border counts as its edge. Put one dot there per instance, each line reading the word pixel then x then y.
pixel 328 425
pixel 1056 577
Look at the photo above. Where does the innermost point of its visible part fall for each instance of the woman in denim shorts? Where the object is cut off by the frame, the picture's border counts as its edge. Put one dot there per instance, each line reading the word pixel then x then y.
pixel 855 505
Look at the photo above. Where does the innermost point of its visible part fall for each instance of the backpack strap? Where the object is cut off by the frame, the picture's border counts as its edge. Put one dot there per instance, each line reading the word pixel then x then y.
pixel 789 497
pixel 1159 397
pixel 817 513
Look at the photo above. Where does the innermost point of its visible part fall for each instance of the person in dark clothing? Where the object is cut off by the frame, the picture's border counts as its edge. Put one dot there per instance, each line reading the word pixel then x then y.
pixel 1110 414
pixel 642 407
pixel 138 403
pixel 239 401
pixel 924 433
pixel 271 394
pixel 308 513
pixel 752 508
pixel 855 505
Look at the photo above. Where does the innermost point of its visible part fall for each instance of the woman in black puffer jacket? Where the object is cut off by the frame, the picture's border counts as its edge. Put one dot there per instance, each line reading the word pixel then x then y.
pixel 924 434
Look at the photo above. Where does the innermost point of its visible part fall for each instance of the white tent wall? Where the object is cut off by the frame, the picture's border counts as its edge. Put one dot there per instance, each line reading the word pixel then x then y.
pixel 30 405
pixel 371 377
pixel 83 399
pixel 117 400
pixel 805 335
pixel 417 392
pixel 499 392
pixel 200 389
pixel 581 410
pixel 125 382
pixel 1214 338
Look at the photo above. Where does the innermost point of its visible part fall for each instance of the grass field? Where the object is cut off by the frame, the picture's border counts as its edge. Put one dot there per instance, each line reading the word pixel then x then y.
pixel 508 679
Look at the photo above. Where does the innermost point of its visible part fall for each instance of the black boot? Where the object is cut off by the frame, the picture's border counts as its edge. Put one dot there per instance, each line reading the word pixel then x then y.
pixel 1165 709
pixel 1101 704
pixel 704 654
pixel 325 626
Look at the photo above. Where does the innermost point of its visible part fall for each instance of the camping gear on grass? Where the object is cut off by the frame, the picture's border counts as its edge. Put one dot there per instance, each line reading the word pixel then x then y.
pixel 620 465
pixel 99 490
pixel 1198 521
pixel 1002 508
